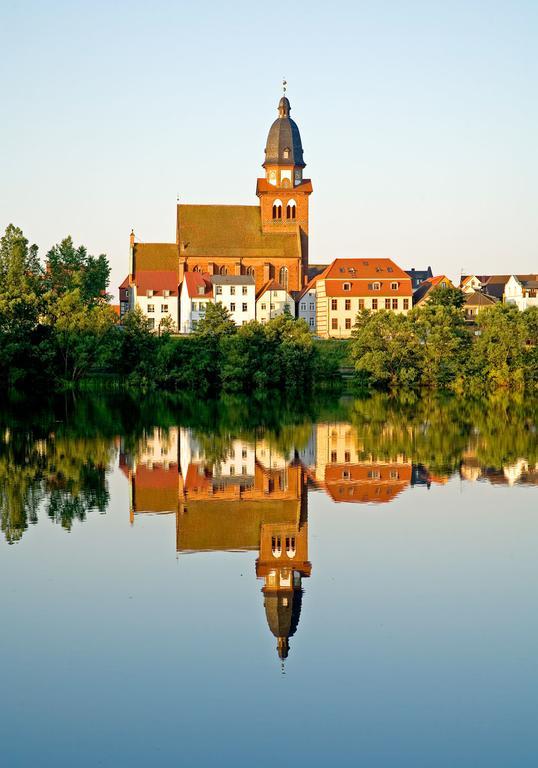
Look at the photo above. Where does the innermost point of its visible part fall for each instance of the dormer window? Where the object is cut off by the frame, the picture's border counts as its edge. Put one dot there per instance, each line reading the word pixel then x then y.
pixel 379 269
pixel 374 286
pixel 149 293
pixel 286 153
pixel 365 263
pixel 166 292
pixel 347 286
pixel 394 286
pixel 390 269
pixel 201 290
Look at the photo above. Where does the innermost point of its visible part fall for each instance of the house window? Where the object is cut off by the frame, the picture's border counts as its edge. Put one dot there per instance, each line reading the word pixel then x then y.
pixel 232 469
pixel 348 323
pixel 394 474
pixel 361 303
pixel 394 286
pixel 193 306
pixel 406 303
pixel 347 457
pixel 390 269
pixel 334 324
pixel 312 306
pixel 291 210
pixel 151 308
pixel 348 304
pixel 347 286
pixel 312 322
pixel 244 290
pixel 387 303
pixel 151 323
pixel 219 290
pixel 271 306
pixel 334 457
pixel 395 303
pixel 334 304
pixel 232 290
pixel 164 308
pixel 244 306
pixel 373 474
pixel 283 277
pixel 232 306
pixel 277 209
pixel 303 306
pixel 264 306
pixel 374 303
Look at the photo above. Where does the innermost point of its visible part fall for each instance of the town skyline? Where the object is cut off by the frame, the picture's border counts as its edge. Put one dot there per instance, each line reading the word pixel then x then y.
pixel 438 165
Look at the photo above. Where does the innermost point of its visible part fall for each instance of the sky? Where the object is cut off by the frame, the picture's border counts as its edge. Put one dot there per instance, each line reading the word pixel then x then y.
pixel 419 122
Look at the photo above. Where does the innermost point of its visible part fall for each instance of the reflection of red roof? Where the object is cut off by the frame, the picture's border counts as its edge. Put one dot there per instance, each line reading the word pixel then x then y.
pixel 362 483
pixel 157 281
pixel 195 281
pixel 116 308
pixel 194 480
pixel 156 490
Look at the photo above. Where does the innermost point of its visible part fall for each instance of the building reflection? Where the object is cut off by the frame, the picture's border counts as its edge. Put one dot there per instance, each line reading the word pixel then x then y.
pixel 242 495
pixel 249 494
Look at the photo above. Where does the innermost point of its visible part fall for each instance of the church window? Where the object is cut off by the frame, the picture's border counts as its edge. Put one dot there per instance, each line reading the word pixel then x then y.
pixel 283 277
pixel 286 182
pixel 276 546
pixel 290 546
pixel 277 209
pixel 347 286
pixel 291 210
pixel 223 270
pixel 196 268
pixel 250 271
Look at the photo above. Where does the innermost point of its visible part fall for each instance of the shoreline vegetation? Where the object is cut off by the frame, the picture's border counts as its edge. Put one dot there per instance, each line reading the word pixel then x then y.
pixel 58 331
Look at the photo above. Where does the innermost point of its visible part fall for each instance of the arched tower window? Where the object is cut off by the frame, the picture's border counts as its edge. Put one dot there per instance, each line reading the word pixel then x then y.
pixel 283 277
pixel 291 210
pixel 250 271
pixel 223 270
pixel 277 209
pixel 196 268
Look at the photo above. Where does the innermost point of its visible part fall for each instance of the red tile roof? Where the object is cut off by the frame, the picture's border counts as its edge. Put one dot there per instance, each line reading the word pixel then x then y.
pixel 271 285
pixel 359 273
pixel 437 279
pixel 125 283
pixel 196 280
pixel 156 281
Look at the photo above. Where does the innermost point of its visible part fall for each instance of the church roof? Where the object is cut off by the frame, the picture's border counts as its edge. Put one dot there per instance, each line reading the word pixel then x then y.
pixel 155 257
pixel 284 146
pixel 217 232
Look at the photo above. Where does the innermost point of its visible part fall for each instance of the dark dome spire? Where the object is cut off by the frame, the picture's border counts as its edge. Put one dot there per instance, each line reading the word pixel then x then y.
pixel 284 146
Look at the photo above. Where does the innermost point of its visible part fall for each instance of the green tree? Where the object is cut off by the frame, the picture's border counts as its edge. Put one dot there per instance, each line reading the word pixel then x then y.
pixel 216 322
pixel 69 268
pixel 446 296
pixel 498 358
pixel 444 342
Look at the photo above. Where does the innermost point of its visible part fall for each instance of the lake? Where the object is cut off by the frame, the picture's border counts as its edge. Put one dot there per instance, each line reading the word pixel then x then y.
pixel 338 582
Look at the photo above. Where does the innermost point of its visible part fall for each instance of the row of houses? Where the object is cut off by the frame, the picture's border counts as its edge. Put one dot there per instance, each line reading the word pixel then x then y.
pixel 329 303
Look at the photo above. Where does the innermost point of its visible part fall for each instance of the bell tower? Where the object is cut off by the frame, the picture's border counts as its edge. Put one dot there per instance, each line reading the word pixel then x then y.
pixel 284 193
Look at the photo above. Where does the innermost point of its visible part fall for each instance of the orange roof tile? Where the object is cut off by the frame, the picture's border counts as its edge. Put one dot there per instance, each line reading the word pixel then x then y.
pixel 365 269
pixel 194 281
pixel 271 285
pixel 157 281
pixel 125 283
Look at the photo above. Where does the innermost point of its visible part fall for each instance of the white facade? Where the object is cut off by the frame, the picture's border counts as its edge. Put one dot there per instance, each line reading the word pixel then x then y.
pixel 157 305
pixel 520 294
pixel 273 302
pixel 238 294
pixel 471 285
pixel 192 305
pixel 306 308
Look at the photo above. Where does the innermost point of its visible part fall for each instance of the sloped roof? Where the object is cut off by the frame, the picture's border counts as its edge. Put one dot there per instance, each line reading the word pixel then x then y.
pixel 426 286
pixel 480 299
pixel 196 280
pixel 216 232
pixel 313 281
pixel 271 285
pixel 125 283
pixel 365 269
pixel 157 281
pixel 283 144
pixel 156 257
pixel 233 280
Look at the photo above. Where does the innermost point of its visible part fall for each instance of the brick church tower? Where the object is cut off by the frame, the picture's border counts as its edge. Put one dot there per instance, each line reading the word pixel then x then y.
pixel 283 193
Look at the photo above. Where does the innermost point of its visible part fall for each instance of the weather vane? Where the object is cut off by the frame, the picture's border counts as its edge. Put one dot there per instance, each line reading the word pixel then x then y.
pixel 284 84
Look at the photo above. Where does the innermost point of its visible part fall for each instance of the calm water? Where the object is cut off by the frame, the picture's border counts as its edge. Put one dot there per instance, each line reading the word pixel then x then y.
pixel 346 583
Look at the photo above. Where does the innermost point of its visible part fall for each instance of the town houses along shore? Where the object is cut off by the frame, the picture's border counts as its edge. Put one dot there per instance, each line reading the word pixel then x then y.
pixel 253 259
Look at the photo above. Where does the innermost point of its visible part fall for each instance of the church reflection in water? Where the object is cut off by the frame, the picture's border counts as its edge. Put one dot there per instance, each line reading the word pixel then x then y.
pixel 249 493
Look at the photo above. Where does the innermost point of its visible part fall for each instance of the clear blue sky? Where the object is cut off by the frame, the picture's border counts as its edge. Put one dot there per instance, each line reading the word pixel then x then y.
pixel 419 122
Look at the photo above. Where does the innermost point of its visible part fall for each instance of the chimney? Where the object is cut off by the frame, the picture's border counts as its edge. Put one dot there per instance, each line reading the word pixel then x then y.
pixel 131 254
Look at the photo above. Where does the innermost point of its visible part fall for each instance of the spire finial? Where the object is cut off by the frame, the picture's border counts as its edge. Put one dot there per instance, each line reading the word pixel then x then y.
pixel 284 85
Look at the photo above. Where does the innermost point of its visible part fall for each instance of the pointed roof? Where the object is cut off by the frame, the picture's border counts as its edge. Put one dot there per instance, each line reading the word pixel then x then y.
pixel 271 285
pixel 284 146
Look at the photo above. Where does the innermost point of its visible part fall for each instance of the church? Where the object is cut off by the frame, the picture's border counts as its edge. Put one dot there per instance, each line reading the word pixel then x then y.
pixel 267 241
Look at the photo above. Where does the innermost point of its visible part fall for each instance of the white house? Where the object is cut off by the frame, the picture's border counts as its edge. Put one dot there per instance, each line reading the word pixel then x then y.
pixel 196 294
pixel 306 304
pixel 522 290
pixel 155 292
pixel 272 300
pixel 238 294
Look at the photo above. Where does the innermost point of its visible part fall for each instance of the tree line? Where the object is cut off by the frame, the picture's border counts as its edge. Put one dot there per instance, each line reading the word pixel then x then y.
pixel 57 329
